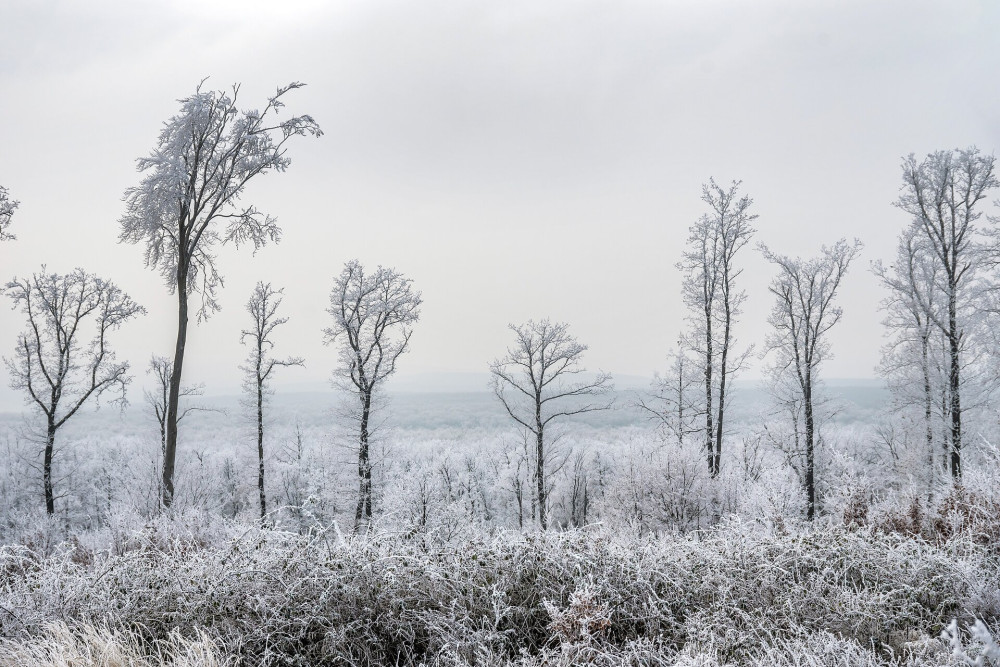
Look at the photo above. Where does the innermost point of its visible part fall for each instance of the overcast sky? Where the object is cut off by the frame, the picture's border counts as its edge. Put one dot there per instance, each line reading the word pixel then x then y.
pixel 516 159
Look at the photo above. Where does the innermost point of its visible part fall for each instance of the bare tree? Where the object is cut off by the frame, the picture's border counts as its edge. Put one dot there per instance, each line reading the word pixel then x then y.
pixel 942 193
pixel 714 302
pixel 55 364
pixel 803 314
pixel 7 206
pixel 674 403
pixel 188 203
pixel 913 284
pixel 532 384
pixel 373 317
pixel 263 308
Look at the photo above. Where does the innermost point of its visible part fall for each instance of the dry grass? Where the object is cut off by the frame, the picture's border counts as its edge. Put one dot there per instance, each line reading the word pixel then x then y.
pixel 89 646
pixel 737 595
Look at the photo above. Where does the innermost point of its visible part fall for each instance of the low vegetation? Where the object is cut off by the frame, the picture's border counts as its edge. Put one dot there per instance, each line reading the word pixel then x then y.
pixel 196 590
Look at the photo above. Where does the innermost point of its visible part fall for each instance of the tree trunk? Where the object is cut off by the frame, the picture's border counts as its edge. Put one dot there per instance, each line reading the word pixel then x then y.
pixel 928 404
pixel 680 403
pixel 717 462
pixel 810 449
pixel 260 444
pixel 364 508
pixel 170 448
pixel 953 384
pixel 540 479
pixel 945 431
pixel 709 430
pixel 519 496
pixel 50 441
pixel 540 464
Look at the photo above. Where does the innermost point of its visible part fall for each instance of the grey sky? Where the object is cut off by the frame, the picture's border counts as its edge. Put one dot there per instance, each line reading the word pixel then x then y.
pixel 517 159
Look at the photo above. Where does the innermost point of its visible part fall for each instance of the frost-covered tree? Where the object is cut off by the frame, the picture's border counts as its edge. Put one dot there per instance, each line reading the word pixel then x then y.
pixel 674 403
pixel 189 202
pixel 263 308
pixel 373 317
pixel 534 384
pixel 942 195
pixel 7 206
pixel 910 360
pixel 801 318
pixel 715 302
pixel 63 358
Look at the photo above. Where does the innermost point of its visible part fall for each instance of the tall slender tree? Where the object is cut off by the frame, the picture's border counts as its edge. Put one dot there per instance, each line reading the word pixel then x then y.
pixel 715 302
pixel 942 194
pixel 373 317
pixel 802 316
pixel 55 363
pixel 189 202
pixel 913 284
pixel 263 308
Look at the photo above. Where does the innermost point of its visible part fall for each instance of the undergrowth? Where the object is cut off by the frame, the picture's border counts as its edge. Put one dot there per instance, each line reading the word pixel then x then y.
pixel 740 594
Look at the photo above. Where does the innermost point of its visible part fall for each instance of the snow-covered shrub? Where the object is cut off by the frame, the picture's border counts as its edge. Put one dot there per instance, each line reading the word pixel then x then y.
pixel 584 621
pixel 733 593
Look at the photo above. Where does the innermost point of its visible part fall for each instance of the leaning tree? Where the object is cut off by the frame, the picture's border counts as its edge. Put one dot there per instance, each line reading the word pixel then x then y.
pixel 63 358
pixel 7 206
pixel 189 202
pixel 535 384
pixel 373 317
pixel 801 318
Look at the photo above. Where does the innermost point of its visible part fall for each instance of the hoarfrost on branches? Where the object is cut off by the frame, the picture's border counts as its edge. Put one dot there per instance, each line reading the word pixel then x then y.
pixel 802 316
pixel 373 315
pixel 189 202
pixel 260 364
pixel 988 652
pixel 53 364
pixel 534 384
pixel 7 206
pixel 942 195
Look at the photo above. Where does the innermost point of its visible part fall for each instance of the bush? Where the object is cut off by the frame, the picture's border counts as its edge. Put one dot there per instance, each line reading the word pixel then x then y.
pixel 738 594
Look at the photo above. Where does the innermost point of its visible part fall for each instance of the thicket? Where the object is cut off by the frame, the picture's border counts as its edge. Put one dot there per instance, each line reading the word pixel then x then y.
pixel 742 593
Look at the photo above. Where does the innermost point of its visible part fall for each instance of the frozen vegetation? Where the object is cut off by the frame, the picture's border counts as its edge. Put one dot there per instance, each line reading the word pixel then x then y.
pixel 550 522
pixel 649 560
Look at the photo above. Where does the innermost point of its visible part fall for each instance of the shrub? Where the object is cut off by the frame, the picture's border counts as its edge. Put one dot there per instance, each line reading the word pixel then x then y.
pixel 738 593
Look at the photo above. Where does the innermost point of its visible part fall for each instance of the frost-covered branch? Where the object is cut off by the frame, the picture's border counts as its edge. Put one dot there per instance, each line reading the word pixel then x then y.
pixel 533 375
pixel 7 207
pixel 373 317
pixel 188 203
pixel 54 364
pixel 263 308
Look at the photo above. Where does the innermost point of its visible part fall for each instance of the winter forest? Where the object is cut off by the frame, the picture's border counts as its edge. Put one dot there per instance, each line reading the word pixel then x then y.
pixel 745 503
